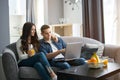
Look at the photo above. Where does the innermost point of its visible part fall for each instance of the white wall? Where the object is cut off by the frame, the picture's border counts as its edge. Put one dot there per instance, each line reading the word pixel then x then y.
pixel 55 11
pixel 73 16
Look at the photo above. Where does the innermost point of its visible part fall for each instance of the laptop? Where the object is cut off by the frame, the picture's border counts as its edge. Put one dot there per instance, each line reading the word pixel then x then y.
pixel 72 52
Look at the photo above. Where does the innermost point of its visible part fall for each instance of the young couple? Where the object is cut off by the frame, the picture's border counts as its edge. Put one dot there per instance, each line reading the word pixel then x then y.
pixel 41 54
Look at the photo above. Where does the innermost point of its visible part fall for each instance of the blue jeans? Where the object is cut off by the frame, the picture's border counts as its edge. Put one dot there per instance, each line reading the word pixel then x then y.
pixel 61 65
pixel 77 62
pixel 38 61
pixel 66 65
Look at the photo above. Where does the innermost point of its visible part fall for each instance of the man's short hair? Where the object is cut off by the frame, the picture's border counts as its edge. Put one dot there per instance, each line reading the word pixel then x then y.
pixel 44 27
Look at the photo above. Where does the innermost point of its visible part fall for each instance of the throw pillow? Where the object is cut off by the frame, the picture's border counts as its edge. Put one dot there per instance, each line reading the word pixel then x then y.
pixel 87 52
pixel 100 48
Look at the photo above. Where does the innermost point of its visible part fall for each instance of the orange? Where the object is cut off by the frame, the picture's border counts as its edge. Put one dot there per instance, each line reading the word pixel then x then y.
pixel 93 60
pixel 89 61
pixel 31 52
pixel 105 62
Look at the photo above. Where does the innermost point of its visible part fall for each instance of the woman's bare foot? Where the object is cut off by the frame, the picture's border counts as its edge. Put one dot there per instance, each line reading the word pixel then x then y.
pixel 53 75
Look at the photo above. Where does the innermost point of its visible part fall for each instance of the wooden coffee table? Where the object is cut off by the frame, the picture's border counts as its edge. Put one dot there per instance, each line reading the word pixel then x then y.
pixel 85 73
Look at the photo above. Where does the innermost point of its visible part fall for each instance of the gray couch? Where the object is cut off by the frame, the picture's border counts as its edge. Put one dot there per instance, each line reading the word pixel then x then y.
pixel 10 58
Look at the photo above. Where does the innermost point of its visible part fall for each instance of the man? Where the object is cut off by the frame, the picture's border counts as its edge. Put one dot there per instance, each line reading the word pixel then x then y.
pixel 54 47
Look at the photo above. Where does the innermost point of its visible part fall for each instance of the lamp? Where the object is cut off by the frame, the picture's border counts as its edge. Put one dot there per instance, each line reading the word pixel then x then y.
pixel 73 3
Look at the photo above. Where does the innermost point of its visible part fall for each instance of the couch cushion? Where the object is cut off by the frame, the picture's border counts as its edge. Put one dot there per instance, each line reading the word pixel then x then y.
pixel 100 48
pixel 28 73
pixel 31 73
pixel 69 39
pixel 10 65
pixel 13 48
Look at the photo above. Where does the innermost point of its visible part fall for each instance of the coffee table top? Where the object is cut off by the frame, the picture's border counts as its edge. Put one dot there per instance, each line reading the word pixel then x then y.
pixel 84 71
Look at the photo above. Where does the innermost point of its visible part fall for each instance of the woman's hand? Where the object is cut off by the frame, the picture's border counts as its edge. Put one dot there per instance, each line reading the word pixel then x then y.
pixel 31 52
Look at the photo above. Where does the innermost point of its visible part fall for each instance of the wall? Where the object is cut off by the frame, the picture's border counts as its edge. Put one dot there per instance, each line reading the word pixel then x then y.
pixel 4 24
pixel 55 11
pixel 4 30
pixel 73 16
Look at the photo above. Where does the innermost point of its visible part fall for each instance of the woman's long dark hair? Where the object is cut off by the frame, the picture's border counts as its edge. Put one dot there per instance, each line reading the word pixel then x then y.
pixel 26 32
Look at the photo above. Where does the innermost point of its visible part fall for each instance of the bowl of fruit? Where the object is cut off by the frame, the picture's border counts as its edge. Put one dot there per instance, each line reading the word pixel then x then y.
pixel 96 62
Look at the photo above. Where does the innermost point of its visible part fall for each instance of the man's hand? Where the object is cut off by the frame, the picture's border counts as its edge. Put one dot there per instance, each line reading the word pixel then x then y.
pixel 62 51
pixel 54 37
pixel 54 54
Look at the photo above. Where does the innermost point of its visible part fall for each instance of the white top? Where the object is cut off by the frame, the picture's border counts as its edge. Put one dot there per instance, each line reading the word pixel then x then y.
pixel 54 48
pixel 30 46
pixel 20 53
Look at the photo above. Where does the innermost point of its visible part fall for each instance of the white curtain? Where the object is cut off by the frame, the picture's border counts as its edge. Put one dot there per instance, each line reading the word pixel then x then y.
pixel 31 11
pixel 112 21
pixel 35 13
pixel 118 21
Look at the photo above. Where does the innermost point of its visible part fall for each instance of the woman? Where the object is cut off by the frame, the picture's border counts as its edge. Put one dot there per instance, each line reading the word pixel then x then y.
pixel 27 47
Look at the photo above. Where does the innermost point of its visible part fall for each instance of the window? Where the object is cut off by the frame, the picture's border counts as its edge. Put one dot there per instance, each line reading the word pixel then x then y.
pixel 111 21
pixel 45 12
pixel 17 17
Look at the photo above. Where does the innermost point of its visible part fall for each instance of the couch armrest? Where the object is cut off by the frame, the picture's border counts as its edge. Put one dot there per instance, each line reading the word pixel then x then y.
pixel 10 66
pixel 113 51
